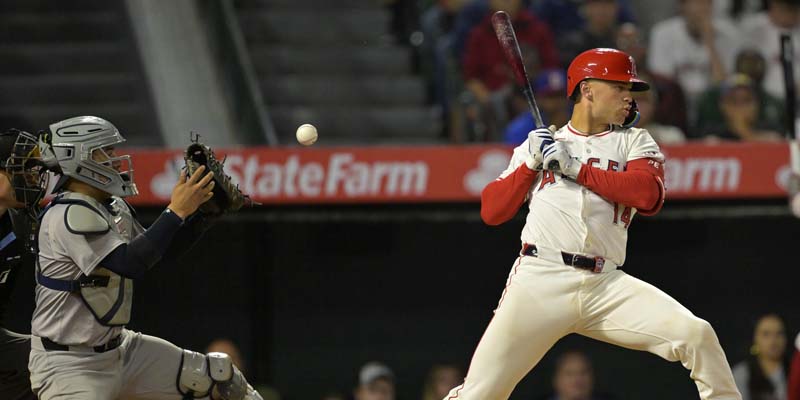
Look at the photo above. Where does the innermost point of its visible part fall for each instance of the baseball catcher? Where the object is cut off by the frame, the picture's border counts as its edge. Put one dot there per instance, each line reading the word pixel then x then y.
pixel 91 251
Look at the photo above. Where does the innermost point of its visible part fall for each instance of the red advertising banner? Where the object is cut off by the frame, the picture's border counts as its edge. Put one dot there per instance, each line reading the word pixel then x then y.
pixel 294 175
pixel 727 171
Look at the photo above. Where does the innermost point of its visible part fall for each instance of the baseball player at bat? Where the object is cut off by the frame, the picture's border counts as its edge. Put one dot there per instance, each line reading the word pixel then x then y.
pixel 583 184
pixel 22 183
pixel 91 250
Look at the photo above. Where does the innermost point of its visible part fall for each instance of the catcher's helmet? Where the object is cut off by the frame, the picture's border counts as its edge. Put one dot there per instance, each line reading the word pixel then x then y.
pixel 73 142
pixel 605 64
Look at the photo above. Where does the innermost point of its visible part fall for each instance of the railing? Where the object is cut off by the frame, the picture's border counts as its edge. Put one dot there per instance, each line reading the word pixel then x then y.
pixel 239 77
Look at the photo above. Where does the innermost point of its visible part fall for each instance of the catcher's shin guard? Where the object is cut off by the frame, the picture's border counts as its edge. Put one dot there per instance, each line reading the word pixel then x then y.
pixel 212 375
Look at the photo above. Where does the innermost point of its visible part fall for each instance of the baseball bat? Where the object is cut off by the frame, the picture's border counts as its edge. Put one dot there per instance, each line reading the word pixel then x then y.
pixel 787 61
pixel 501 23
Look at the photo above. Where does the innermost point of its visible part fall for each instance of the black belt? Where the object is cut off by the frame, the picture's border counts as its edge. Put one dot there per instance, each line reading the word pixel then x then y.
pixel 594 264
pixel 110 345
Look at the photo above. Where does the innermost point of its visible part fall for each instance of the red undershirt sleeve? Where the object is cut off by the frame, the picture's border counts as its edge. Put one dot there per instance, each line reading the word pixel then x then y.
pixel 640 186
pixel 501 199
pixel 794 377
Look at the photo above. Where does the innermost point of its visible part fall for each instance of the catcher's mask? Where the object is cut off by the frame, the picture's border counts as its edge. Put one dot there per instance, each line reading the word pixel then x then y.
pixel 23 162
pixel 84 150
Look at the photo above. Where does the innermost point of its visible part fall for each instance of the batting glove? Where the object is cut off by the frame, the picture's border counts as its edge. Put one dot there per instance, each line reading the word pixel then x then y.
pixel 557 158
pixel 537 140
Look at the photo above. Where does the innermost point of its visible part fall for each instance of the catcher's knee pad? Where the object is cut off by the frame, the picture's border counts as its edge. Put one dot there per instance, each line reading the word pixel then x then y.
pixel 200 374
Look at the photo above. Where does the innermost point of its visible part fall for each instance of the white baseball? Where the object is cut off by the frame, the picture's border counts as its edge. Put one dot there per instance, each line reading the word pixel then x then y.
pixel 306 134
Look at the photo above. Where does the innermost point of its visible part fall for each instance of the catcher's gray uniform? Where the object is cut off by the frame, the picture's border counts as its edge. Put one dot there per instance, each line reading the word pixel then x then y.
pixel 79 346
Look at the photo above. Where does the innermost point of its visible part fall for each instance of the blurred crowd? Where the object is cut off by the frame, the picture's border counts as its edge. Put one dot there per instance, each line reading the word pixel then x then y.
pixel 714 67
pixel 770 371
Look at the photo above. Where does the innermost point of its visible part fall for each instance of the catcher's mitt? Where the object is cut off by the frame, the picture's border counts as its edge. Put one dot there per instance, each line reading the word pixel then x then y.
pixel 227 196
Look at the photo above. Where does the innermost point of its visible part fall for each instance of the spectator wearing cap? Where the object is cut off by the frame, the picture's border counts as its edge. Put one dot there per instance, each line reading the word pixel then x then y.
pixel 487 75
pixel 549 88
pixel 751 64
pixel 599 30
pixel 740 109
pixel 761 32
pixel 375 382
pixel 694 49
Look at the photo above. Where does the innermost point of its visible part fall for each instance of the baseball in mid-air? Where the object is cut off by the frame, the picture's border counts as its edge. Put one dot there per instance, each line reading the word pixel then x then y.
pixel 306 134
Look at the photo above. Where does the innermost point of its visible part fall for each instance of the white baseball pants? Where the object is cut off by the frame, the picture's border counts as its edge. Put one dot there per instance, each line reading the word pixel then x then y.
pixel 545 300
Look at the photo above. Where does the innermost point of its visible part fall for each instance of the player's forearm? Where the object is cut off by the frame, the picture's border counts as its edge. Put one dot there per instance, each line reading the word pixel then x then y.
pixel 132 260
pixel 638 188
pixel 501 199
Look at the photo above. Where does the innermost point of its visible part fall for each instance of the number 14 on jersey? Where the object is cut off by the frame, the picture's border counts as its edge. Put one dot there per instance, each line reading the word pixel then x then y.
pixel 624 215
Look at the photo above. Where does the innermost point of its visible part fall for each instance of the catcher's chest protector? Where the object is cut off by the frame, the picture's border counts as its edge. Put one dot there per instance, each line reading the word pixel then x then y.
pixel 107 294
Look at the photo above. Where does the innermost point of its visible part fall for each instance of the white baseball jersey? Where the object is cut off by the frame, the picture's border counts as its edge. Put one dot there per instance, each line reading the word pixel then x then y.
pixel 567 216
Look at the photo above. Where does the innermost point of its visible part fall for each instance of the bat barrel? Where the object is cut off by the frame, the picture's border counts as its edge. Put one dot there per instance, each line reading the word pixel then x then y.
pixel 504 30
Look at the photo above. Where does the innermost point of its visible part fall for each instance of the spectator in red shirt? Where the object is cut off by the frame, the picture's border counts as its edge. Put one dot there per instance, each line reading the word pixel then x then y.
pixel 485 68
pixel 487 75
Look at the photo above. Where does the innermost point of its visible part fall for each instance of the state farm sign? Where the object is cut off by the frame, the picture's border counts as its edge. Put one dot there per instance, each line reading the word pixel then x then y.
pixel 703 174
pixel 335 175
pixel 341 175
pixel 446 173
pixel 730 170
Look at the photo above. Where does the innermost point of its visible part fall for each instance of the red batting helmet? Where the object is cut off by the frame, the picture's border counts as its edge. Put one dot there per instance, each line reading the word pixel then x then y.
pixel 605 64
